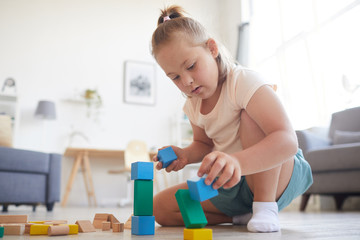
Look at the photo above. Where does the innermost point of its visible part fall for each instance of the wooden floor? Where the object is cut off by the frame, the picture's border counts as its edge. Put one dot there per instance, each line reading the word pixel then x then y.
pixel 295 225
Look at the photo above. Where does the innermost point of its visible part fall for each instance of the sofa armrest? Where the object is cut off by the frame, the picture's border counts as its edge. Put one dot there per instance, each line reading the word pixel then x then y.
pixel 54 178
pixel 341 157
pixel 309 141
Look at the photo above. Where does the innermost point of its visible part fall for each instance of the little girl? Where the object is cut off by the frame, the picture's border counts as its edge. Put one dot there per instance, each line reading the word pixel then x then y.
pixel 242 135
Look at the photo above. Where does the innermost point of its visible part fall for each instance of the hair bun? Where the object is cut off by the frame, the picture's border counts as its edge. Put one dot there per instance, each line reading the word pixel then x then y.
pixel 171 12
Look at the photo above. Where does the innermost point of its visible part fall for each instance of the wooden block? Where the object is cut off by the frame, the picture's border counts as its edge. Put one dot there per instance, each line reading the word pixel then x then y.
pixel 13 229
pixel 27 228
pixel 73 228
pixel 143 198
pixel 143 225
pixel 105 226
pixel 142 171
pixel 13 218
pixel 118 227
pixel 85 226
pixel 55 222
pixel 191 210
pixel 37 222
pixel 112 219
pixel 128 223
pixel 197 234
pixel 39 229
pixel 99 218
pixel 58 230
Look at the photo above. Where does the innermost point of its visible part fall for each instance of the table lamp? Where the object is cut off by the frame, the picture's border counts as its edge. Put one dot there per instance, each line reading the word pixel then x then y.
pixel 45 110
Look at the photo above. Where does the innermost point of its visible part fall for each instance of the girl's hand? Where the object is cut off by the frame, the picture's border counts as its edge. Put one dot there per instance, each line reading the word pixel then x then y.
pixel 178 164
pixel 223 165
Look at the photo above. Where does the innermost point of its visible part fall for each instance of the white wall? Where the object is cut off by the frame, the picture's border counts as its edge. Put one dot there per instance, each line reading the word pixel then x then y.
pixel 54 49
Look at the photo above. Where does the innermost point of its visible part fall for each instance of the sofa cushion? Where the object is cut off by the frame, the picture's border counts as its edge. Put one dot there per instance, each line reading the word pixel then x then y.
pixel 18 160
pixel 342 137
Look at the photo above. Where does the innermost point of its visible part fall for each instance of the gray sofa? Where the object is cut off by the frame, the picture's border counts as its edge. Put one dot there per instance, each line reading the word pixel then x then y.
pixel 334 158
pixel 29 177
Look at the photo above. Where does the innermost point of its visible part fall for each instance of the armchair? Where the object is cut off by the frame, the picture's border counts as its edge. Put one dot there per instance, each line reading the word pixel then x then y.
pixel 334 159
pixel 29 177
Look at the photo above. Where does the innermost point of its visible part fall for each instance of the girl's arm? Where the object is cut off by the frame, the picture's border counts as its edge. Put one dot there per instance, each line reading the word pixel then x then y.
pixel 278 145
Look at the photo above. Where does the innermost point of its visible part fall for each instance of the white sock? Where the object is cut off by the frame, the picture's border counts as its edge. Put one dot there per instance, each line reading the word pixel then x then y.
pixel 242 219
pixel 265 217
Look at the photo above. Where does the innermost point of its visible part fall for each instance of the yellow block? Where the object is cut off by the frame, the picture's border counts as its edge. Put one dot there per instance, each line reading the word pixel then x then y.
pixel 197 234
pixel 39 229
pixel 42 229
pixel 73 228
pixel 37 222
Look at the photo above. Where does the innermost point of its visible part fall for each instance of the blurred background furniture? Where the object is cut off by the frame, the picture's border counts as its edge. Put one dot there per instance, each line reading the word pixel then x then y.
pixel 29 177
pixel 334 156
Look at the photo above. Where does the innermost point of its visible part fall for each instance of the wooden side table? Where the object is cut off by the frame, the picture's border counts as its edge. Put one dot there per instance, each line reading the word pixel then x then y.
pixel 81 159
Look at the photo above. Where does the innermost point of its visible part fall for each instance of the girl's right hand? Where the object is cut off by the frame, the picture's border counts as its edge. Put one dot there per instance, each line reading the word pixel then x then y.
pixel 181 161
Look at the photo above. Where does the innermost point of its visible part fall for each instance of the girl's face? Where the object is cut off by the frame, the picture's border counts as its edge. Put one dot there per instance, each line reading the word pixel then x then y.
pixel 193 69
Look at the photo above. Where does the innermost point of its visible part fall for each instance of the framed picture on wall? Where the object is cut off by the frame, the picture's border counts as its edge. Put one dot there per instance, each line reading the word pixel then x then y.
pixel 139 83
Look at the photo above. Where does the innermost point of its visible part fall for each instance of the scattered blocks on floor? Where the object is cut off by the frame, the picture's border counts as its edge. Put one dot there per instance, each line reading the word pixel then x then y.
pixel 106 226
pixel 143 225
pixel 197 234
pixel 42 229
pixel 191 210
pixel 13 218
pixel 85 226
pixel 166 156
pixel 13 229
pixel 199 191
pixel 142 171
pixel 143 198
pixel 118 227
pixel 58 230
pixel 99 219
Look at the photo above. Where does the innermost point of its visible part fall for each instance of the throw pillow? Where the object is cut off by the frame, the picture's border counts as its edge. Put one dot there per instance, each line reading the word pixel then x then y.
pixel 342 137
pixel 5 131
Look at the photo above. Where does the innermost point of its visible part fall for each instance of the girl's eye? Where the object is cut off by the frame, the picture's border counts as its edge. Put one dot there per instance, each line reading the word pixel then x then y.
pixel 175 78
pixel 191 67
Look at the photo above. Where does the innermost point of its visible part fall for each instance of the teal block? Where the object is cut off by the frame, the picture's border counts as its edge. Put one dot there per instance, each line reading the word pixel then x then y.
pixel 142 171
pixel 191 210
pixel 143 225
pixel 1 232
pixel 143 197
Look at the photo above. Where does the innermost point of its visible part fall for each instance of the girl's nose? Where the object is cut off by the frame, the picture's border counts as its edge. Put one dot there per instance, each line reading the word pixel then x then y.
pixel 187 80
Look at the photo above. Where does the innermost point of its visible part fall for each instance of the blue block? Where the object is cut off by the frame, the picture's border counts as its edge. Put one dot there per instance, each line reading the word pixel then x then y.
pixel 166 156
pixel 199 190
pixel 142 171
pixel 143 225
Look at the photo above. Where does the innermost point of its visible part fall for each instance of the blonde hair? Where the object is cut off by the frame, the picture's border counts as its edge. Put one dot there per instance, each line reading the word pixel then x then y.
pixel 172 21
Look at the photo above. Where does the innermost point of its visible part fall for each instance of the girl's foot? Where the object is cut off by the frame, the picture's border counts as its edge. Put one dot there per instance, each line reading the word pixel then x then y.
pixel 265 217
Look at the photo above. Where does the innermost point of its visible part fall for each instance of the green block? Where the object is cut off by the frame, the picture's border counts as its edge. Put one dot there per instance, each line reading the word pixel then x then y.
pixel 191 210
pixel 1 232
pixel 143 198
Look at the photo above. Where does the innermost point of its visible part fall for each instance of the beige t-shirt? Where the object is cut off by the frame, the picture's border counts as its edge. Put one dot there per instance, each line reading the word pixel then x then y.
pixel 222 123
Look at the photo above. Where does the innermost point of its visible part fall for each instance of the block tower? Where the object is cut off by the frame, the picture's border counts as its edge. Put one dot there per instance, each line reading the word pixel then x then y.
pixel 143 221
pixel 191 209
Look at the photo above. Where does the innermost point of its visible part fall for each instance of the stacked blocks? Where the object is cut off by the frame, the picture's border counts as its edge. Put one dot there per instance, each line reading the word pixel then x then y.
pixel 166 156
pixel 199 191
pixel 143 221
pixel 191 210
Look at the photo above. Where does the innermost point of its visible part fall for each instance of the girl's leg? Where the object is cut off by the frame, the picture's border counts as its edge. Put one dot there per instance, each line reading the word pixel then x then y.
pixel 167 213
pixel 266 186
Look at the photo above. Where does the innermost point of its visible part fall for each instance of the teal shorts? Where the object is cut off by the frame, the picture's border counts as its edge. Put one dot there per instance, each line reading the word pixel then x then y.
pixel 238 199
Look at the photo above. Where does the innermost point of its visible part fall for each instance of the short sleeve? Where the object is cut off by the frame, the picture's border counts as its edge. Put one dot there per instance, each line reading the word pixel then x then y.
pixel 245 83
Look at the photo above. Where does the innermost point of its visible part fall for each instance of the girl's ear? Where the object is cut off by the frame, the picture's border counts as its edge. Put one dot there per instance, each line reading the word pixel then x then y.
pixel 211 44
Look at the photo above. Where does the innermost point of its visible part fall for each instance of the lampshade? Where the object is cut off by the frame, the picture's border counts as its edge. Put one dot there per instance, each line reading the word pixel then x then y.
pixel 46 110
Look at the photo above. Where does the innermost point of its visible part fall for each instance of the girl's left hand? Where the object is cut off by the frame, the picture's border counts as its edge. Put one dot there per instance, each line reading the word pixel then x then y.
pixel 223 165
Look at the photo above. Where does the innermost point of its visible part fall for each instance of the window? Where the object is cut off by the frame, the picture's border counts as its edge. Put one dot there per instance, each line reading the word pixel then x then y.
pixel 311 50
